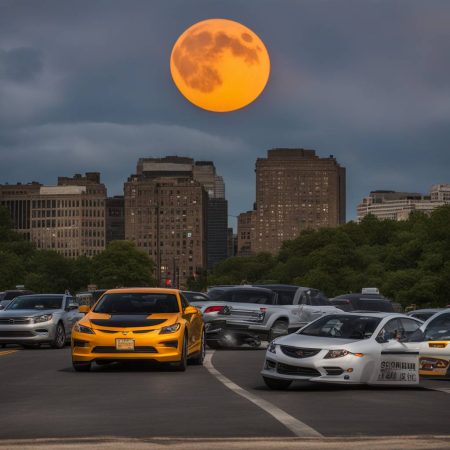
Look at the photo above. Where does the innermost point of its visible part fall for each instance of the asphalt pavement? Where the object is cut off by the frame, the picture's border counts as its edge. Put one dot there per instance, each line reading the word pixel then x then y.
pixel 43 398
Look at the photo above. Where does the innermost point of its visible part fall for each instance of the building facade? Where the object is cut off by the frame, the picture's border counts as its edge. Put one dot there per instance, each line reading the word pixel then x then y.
pixel 246 233
pixel 166 215
pixel 115 218
pixel 295 190
pixel 392 205
pixel 68 218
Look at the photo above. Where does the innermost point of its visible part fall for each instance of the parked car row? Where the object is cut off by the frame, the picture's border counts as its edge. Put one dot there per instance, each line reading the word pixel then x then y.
pixel 328 345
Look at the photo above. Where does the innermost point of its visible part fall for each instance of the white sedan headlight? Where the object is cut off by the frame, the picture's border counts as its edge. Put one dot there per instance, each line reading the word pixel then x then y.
pixel 43 318
pixel 336 354
pixel 340 353
pixel 272 348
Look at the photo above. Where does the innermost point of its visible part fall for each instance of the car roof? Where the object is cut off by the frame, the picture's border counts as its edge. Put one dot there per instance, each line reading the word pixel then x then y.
pixel 142 290
pixel 244 288
pixel 351 295
pixel 279 286
pixel 439 313
pixel 44 295
pixel 425 310
pixel 381 314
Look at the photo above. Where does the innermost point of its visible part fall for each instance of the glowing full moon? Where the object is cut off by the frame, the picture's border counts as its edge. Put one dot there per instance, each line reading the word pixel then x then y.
pixel 220 65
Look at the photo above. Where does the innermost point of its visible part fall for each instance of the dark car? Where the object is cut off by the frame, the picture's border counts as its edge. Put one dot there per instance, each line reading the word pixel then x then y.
pixel 363 302
pixel 8 296
pixel 193 296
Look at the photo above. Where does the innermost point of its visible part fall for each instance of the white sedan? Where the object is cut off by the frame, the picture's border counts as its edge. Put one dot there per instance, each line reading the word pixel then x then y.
pixel 346 348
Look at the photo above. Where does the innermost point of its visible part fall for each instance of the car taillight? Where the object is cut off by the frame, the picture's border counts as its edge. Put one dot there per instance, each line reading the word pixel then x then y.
pixel 216 308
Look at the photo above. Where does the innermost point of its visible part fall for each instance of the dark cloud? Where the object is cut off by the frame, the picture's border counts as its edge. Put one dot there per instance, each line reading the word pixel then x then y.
pixel 365 81
pixel 20 64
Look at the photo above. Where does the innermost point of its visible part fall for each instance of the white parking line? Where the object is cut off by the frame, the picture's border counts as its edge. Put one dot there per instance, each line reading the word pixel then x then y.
pixel 445 390
pixel 297 427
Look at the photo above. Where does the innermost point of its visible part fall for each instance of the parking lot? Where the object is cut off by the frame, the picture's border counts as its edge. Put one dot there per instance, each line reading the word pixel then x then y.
pixel 43 398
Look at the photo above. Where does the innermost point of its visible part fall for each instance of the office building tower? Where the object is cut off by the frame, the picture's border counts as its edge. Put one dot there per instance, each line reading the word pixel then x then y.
pixel 115 218
pixel 165 215
pixel 68 218
pixel 295 190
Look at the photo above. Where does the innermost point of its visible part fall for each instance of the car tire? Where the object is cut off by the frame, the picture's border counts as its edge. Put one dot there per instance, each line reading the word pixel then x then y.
pixel 181 365
pixel 59 341
pixel 198 359
pixel 81 366
pixel 279 328
pixel 275 384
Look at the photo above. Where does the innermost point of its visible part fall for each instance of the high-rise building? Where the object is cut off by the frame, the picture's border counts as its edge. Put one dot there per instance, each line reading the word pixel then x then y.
pixel 17 199
pixel 165 214
pixel 115 218
pixel 246 233
pixel 68 218
pixel 394 205
pixel 217 211
pixel 203 172
pixel 295 190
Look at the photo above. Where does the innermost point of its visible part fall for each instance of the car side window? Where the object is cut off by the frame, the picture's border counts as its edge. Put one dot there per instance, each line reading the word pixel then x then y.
pixel 389 331
pixel 438 328
pixel 304 299
pixel 409 327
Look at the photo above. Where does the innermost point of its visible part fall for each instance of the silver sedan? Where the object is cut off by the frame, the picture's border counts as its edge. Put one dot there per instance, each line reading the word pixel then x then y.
pixel 31 320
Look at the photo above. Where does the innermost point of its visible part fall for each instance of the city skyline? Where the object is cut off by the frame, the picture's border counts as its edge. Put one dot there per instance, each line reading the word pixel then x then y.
pixel 89 89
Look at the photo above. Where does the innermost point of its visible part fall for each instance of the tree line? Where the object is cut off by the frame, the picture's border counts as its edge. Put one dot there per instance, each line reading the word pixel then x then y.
pixel 409 261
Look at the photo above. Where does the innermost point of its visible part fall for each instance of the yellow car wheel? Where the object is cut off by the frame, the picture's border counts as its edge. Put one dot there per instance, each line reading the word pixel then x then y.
pixel 181 365
pixel 198 359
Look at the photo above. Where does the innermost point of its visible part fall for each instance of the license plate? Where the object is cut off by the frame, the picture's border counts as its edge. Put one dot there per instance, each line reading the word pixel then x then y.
pixel 124 344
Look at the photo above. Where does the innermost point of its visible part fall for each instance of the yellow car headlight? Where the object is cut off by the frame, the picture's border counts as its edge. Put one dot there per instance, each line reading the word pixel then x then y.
pixel 170 329
pixel 83 329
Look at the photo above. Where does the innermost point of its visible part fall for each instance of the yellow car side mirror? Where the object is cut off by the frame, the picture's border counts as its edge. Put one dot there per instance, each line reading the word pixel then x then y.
pixel 190 310
pixel 84 309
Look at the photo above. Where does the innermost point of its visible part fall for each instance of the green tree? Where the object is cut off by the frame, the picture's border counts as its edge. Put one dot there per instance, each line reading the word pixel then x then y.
pixel 122 264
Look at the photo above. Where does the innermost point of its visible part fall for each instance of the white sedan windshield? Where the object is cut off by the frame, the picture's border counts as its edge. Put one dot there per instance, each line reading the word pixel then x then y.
pixel 343 327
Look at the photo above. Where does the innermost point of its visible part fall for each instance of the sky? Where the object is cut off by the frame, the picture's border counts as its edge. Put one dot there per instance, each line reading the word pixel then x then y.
pixel 86 86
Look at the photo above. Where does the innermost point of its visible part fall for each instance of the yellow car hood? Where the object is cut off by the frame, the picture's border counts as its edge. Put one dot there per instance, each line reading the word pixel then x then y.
pixel 133 321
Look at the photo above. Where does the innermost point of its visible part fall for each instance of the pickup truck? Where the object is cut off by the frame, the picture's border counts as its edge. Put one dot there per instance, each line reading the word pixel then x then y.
pixel 248 314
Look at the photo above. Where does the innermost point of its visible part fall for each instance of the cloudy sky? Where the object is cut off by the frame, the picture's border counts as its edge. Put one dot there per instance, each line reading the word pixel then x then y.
pixel 86 86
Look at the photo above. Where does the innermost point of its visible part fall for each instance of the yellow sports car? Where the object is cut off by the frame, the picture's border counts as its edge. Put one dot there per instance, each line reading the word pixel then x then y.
pixel 139 323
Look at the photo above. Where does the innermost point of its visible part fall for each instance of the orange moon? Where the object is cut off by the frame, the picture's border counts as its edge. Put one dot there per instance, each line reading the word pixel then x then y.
pixel 220 65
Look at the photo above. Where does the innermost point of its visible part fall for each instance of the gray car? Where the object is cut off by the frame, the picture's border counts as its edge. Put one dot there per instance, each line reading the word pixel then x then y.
pixel 31 320
pixel 235 315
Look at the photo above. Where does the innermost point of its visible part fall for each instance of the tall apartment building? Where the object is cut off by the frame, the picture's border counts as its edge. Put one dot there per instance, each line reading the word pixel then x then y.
pixel 166 215
pixel 217 212
pixel 295 190
pixel 394 205
pixel 68 218
pixel 246 233
pixel 17 198
pixel 115 218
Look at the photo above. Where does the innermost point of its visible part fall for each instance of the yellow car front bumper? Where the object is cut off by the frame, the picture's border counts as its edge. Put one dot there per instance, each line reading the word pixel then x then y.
pixel 142 344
